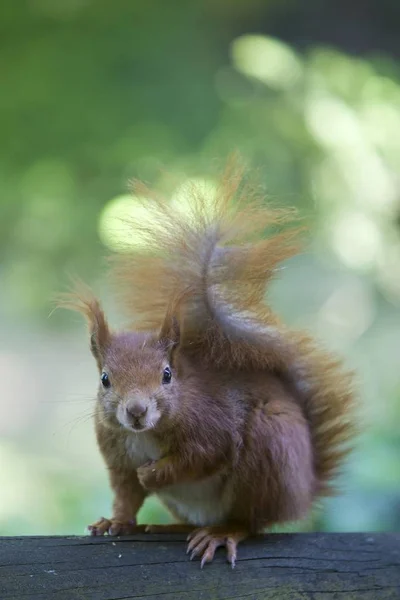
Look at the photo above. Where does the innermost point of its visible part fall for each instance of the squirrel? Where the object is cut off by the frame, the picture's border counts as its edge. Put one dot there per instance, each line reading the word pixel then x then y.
pixel 233 420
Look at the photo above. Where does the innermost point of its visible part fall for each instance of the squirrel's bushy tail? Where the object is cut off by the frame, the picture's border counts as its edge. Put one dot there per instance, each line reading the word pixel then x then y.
pixel 326 390
pixel 208 267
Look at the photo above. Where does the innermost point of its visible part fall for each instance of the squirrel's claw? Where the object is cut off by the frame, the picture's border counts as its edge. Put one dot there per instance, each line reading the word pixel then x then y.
pixel 114 527
pixel 100 527
pixel 205 541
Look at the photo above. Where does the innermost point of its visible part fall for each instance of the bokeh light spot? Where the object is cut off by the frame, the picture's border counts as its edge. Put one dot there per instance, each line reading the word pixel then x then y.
pixel 357 240
pixel 267 59
pixel 116 223
pixel 184 197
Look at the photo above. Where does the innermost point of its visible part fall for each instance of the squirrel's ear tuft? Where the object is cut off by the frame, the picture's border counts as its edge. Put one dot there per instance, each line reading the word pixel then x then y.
pixel 82 300
pixel 170 333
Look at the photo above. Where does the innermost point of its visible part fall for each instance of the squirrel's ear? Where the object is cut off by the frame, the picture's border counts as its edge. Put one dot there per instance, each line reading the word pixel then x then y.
pixel 170 333
pixel 99 333
pixel 82 300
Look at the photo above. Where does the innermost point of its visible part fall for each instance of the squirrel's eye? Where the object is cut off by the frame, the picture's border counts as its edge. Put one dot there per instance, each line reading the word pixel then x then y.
pixel 105 380
pixel 167 375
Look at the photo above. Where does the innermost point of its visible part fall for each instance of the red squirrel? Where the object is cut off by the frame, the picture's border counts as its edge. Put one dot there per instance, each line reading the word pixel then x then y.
pixel 234 421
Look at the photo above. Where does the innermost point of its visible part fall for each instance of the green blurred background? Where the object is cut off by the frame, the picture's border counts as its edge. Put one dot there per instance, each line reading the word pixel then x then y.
pixel 94 93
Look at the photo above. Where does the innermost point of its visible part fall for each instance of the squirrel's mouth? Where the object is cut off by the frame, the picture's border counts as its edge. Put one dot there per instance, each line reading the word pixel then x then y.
pixel 137 426
pixel 132 426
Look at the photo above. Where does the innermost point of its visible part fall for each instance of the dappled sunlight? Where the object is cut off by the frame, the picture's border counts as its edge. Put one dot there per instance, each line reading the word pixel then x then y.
pixel 332 122
pixel 194 190
pixel 116 223
pixel 336 126
pixel 347 313
pixel 117 220
pixel 267 59
pixel 356 240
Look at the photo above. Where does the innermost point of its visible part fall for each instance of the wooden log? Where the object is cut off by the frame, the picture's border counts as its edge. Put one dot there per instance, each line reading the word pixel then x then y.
pixel 155 567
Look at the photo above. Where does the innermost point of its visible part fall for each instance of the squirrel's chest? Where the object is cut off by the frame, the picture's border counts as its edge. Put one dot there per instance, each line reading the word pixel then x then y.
pixel 142 447
pixel 206 502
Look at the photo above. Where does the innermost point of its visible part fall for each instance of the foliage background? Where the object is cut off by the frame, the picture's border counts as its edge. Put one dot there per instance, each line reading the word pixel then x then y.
pixel 95 93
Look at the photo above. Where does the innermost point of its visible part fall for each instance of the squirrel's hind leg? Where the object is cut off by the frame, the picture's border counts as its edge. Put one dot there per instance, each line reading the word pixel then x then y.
pixel 205 541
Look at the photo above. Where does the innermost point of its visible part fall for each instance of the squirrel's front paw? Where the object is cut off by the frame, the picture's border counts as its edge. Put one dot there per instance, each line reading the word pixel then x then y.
pixel 147 475
pixel 154 475
pixel 114 527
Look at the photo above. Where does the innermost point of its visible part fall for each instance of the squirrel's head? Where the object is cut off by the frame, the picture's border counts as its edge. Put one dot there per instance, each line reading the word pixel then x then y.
pixel 137 383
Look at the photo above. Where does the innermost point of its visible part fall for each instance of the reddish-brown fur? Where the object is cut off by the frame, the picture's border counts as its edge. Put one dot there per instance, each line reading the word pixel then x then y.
pixel 256 412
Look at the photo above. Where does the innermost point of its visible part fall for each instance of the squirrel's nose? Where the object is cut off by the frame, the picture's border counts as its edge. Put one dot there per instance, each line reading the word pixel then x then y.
pixel 136 410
